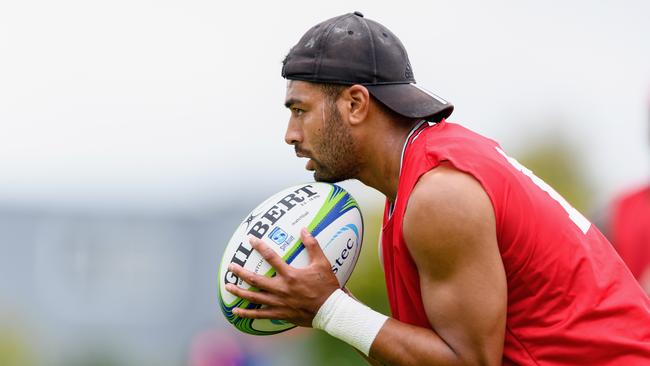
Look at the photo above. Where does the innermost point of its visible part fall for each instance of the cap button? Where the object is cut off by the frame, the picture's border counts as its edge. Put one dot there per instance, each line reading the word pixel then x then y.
pixel 358 13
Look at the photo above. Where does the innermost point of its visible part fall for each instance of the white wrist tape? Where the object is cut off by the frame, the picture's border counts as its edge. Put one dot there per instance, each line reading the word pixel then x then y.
pixel 349 320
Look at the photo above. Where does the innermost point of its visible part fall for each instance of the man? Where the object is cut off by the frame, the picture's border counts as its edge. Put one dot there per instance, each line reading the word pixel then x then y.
pixel 629 228
pixel 629 231
pixel 485 264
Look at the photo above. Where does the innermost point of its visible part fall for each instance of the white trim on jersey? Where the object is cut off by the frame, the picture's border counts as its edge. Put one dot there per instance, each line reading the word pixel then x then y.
pixel 401 159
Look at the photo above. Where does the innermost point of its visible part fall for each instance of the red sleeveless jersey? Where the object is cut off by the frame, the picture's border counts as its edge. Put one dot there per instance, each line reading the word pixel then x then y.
pixel 571 300
pixel 630 227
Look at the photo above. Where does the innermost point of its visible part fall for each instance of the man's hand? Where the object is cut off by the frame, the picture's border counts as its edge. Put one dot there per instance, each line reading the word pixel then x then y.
pixel 293 294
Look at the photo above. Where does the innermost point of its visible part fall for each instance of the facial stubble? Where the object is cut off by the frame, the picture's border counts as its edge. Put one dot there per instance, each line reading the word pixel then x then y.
pixel 338 152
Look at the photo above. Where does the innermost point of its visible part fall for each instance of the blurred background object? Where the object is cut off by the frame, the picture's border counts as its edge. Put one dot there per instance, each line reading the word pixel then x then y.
pixel 134 136
pixel 629 228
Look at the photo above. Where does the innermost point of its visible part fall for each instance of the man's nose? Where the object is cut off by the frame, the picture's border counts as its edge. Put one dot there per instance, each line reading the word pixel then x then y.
pixel 293 135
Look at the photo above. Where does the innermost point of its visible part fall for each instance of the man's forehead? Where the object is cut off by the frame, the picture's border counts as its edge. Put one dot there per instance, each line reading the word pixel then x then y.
pixel 301 90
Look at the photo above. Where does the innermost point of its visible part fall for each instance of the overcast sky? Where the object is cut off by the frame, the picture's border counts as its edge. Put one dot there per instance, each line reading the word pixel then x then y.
pixel 178 104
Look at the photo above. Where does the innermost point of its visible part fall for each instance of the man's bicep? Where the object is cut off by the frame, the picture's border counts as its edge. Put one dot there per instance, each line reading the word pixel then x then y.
pixel 450 230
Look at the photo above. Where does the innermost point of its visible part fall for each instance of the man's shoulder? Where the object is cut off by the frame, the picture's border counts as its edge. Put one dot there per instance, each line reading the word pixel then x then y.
pixel 448 220
pixel 445 184
pixel 447 202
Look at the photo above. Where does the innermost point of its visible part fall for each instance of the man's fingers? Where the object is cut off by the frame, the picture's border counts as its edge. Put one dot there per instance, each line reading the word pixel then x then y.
pixel 313 248
pixel 269 255
pixel 269 312
pixel 263 298
pixel 251 278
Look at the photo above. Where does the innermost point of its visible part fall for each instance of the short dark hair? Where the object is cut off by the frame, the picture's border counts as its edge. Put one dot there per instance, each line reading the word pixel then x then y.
pixel 332 91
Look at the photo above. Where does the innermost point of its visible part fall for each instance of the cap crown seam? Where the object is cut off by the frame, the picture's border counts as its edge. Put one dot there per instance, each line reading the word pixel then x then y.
pixel 321 47
pixel 372 50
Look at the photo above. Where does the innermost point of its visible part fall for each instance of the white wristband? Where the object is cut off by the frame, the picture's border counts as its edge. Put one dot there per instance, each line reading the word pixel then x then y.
pixel 349 320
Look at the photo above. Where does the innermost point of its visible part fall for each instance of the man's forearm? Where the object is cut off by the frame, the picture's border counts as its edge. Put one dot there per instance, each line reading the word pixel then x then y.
pixel 381 340
pixel 403 344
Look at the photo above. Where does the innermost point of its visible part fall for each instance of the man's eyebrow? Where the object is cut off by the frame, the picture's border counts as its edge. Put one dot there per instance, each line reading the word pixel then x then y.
pixel 291 101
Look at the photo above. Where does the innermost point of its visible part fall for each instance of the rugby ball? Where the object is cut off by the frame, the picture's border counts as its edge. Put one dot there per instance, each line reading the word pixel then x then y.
pixel 328 211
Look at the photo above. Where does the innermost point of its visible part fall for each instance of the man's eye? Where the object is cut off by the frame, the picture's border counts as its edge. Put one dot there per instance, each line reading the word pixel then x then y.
pixel 297 111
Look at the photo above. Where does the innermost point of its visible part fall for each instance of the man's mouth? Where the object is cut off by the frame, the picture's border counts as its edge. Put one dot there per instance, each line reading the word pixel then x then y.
pixel 311 164
pixel 301 153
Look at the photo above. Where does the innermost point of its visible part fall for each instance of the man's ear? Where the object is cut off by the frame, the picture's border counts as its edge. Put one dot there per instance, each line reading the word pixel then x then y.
pixel 357 103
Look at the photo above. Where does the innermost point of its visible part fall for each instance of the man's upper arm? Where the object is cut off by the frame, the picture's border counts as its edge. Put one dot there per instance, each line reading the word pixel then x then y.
pixel 449 228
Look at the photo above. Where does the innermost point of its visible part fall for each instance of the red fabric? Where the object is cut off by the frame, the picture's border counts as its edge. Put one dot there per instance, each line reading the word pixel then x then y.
pixel 631 230
pixel 571 300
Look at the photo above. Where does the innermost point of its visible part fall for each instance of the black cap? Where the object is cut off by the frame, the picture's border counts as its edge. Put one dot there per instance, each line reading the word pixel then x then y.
pixel 350 49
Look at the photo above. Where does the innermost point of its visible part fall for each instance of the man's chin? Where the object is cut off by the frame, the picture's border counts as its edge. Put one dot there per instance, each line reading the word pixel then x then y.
pixel 318 177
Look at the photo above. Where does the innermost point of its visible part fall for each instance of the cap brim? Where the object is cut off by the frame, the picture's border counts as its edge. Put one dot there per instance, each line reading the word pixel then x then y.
pixel 412 101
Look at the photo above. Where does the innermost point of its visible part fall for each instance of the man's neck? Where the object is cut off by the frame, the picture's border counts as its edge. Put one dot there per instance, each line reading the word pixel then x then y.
pixel 383 157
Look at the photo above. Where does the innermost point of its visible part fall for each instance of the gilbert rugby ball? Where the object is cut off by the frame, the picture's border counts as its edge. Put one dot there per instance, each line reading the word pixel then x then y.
pixel 326 210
